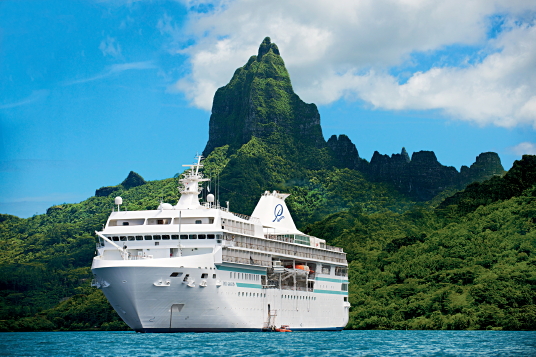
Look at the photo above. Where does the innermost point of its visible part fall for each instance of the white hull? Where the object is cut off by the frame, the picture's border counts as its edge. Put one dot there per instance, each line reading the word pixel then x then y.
pixel 224 304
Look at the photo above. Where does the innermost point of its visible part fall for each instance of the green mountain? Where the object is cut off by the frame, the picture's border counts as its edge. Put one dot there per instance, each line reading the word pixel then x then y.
pixel 468 264
pixel 416 260
pixel 259 102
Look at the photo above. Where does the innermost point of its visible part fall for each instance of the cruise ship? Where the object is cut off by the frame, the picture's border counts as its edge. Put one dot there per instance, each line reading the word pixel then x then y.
pixel 198 267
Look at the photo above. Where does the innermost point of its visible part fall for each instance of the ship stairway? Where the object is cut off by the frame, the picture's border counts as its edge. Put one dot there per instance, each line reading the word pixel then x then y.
pixel 270 324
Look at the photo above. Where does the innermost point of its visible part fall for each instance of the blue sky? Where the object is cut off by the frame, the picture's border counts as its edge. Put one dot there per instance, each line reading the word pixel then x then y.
pixel 94 89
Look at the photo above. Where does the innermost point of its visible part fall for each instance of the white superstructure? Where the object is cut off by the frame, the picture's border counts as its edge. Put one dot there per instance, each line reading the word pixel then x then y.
pixel 199 267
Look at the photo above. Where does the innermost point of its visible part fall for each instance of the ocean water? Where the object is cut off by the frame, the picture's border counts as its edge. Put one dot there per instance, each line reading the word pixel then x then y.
pixel 344 343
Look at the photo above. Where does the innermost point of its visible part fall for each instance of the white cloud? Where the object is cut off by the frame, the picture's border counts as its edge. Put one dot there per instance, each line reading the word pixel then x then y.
pixel 115 69
pixel 346 49
pixel 524 148
pixel 34 97
pixel 109 47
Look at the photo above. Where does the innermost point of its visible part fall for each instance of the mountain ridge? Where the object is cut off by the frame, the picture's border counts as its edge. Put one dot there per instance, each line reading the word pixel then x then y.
pixel 259 102
pixel 407 270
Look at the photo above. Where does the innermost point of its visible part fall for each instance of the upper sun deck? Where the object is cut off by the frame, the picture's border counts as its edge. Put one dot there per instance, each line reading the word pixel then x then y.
pixel 181 220
pixel 270 220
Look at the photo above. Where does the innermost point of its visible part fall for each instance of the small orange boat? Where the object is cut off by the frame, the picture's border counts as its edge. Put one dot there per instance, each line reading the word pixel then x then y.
pixel 301 267
pixel 283 328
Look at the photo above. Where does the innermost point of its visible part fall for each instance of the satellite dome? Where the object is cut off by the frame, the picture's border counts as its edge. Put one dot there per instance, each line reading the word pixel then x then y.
pixel 118 200
pixel 210 198
pixel 163 206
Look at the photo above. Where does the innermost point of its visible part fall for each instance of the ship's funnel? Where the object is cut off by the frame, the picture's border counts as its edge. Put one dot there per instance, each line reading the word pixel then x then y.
pixel 273 212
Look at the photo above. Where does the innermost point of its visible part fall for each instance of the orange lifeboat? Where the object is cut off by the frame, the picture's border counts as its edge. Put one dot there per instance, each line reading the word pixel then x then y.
pixel 301 267
pixel 283 328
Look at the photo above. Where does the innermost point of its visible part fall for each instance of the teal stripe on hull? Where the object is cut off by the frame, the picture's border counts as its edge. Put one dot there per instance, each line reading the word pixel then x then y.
pixel 241 270
pixel 332 280
pixel 246 285
pixel 331 292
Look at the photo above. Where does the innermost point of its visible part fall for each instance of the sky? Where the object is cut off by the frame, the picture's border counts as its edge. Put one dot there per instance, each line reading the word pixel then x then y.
pixel 91 90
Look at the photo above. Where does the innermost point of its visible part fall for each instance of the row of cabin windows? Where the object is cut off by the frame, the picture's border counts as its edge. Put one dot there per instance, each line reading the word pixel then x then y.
pixel 242 293
pixel 299 297
pixel 203 275
pixel 166 237
pixel 339 271
pixel 156 221
pixel 245 276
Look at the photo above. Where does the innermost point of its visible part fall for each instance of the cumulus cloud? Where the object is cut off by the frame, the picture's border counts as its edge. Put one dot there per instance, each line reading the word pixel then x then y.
pixel 347 49
pixel 524 148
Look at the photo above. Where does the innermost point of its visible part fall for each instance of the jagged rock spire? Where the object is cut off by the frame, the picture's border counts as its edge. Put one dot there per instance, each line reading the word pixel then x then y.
pixel 265 47
pixel 259 101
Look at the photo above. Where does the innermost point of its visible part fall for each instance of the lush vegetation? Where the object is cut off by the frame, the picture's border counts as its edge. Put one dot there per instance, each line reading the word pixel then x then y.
pixel 463 260
pixel 470 265
pixel 45 262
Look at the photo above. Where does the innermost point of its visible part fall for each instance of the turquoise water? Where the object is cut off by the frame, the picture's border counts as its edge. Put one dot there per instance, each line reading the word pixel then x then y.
pixel 345 343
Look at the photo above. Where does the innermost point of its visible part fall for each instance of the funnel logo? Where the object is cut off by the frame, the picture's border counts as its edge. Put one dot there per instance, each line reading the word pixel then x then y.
pixel 278 213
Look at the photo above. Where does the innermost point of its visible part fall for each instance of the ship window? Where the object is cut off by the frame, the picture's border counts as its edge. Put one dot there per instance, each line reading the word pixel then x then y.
pixel 174 236
pixel 159 221
pixel 218 236
pixel 131 238
pixel 139 237
pixel 157 237
pixel 197 221
pixel 175 274
pixel 193 236
pixel 202 236
pixel 148 237
pixel 122 238
pixel 156 243
pixel 326 269
pixel 210 236
pixel 204 276
pixel 165 236
pixel 346 298
pixel 213 276
pixel 344 287
pixel 125 223
pixel 116 239
pixel 341 271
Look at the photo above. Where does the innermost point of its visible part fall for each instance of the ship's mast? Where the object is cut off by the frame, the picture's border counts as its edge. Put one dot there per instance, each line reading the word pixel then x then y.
pixel 189 186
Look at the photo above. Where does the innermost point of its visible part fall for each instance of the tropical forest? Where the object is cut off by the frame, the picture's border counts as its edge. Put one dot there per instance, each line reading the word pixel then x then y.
pixel 428 247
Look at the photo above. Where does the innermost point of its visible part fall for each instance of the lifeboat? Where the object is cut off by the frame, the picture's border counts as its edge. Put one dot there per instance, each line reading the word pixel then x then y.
pixel 304 269
pixel 283 328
